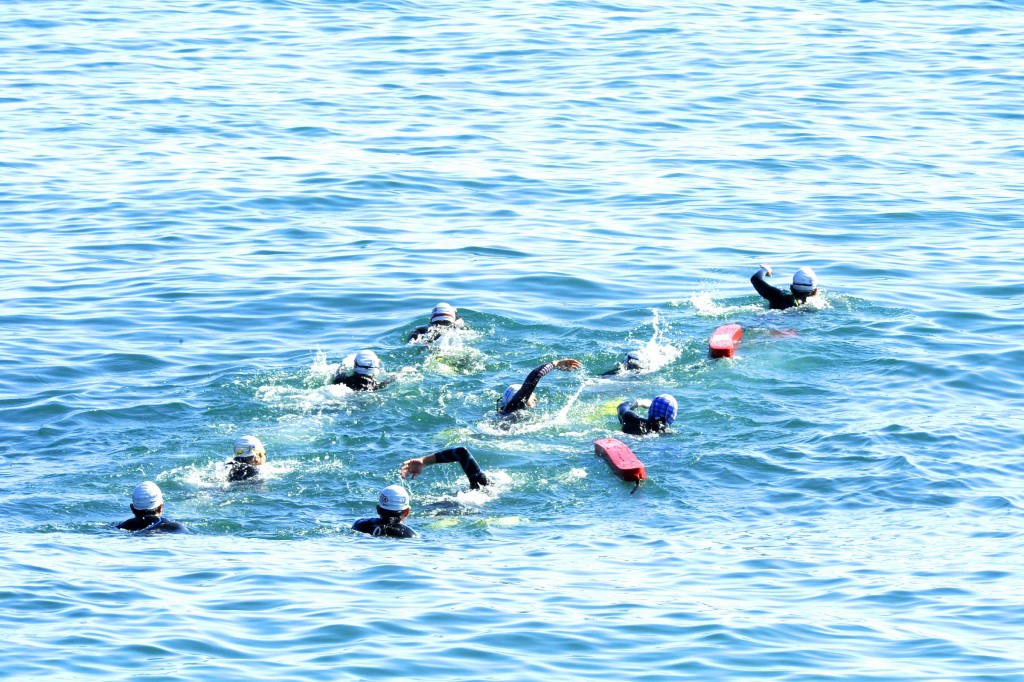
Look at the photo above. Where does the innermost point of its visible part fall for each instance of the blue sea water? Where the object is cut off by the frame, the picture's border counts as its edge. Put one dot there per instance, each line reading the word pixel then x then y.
pixel 207 206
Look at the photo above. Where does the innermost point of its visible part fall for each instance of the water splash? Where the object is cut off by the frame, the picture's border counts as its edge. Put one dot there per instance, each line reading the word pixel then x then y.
pixel 657 352
pixel 706 306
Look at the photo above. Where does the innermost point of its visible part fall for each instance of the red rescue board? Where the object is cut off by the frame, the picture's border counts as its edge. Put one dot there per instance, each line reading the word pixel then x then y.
pixel 621 459
pixel 724 340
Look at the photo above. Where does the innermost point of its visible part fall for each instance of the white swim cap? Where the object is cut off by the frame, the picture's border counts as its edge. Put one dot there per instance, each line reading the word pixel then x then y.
pixel 442 312
pixel 509 392
pixel 394 498
pixel 804 280
pixel 249 445
pixel 634 360
pixel 147 496
pixel 367 362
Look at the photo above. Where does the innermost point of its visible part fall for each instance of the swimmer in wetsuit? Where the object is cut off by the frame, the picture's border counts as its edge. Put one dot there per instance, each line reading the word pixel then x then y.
pixel 364 375
pixel 805 285
pixel 633 362
pixel 411 468
pixel 250 455
pixel 519 397
pixel 443 318
pixel 392 508
pixel 661 412
pixel 148 507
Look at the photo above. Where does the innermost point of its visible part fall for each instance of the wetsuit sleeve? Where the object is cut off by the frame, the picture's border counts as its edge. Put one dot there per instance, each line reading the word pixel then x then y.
pixel 241 471
pixel 366 525
pixel 465 459
pixel 518 401
pixel 171 527
pixel 630 420
pixel 777 298
pixel 418 332
pixel 614 370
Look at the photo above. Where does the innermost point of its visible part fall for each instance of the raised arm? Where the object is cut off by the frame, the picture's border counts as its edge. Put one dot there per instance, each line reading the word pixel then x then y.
pixel 414 467
pixel 519 400
pixel 774 295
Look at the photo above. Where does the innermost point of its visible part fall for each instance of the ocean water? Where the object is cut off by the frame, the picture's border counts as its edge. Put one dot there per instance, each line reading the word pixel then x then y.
pixel 207 206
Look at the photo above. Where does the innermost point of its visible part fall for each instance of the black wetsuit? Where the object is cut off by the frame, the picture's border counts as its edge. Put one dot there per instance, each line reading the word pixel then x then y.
pixel 241 471
pixel 358 382
pixel 430 332
pixel 153 524
pixel 622 368
pixel 465 459
pixel 380 527
pixel 519 400
pixel 617 369
pixel 777 298
pixel 634 424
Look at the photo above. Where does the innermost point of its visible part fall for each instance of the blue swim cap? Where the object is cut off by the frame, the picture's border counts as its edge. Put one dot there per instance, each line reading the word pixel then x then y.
pixel 663 407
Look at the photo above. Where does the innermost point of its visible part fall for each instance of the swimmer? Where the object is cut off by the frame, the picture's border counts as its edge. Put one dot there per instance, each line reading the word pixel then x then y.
pixel 520 396
pixel 148 506
pixel 805 285
pixel 442 318
pixel 411 468
pixel 661 412
pixel 250 455
pixel 363 375
pixel 633 362
pixel 392 508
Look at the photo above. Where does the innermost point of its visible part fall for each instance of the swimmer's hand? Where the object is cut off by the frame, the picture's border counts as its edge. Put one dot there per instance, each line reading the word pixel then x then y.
pixel 643 403
pixel 567 364
pixel 411 468
pixel 767 269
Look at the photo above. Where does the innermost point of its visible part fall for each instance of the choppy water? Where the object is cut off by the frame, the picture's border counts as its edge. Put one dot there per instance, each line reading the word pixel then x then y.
pixel 206 206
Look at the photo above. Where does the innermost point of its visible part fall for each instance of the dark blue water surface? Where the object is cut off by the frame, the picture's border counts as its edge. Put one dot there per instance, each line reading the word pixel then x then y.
pixel 207 207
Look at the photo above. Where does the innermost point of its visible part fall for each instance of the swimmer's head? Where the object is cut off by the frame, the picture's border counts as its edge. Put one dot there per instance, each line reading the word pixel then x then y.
pixel 506 397
pixel 250 449
pixel 510 393
pixel 663 407
pixel 147 498
pixel 634 360
pixel 367 362
pixel 393 502
pixel 805 282
pixel 442 314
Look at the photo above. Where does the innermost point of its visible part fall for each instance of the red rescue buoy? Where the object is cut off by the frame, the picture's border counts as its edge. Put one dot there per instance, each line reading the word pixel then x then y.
pixel 724 340
pixel 621 459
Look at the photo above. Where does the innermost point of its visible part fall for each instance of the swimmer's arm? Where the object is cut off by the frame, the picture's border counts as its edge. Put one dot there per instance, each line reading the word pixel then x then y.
pixel 518 401
pixel 614 370
pixel 626 406
pixel 534 377
pixel 414 467
pixel 418 332
pixel 762 287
